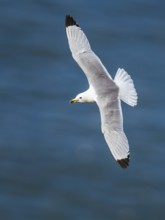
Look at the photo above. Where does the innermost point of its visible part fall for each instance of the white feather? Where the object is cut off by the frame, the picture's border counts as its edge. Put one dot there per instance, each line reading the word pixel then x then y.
pixel 127 91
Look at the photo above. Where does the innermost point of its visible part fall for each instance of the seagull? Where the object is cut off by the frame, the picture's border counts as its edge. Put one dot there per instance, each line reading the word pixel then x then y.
pixel 104 91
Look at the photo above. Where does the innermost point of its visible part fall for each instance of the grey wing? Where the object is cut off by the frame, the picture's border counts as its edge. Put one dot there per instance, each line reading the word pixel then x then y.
pixel 112 128
pixel 89 62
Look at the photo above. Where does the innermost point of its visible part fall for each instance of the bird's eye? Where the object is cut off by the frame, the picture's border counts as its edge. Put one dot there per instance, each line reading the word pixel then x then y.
pixel 80 97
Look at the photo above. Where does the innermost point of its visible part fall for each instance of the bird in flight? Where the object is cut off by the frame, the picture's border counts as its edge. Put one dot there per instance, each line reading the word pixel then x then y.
pixel 104 91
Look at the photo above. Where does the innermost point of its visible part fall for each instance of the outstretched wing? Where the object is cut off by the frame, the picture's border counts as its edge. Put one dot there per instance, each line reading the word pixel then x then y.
pixel 89 62
pixel 112 128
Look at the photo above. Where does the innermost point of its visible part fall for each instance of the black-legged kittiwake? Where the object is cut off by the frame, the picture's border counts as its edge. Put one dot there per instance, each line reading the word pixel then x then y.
pixel 106 92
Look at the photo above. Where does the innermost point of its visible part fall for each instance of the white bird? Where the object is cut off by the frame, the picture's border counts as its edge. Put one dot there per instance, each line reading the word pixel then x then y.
pixel 103 90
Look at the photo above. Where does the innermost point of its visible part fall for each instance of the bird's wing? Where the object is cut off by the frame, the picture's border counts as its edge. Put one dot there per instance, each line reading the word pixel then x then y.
pixel 112 128
pixel 89 62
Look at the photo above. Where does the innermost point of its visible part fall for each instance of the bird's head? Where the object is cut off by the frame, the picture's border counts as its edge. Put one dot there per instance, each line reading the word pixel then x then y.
pixel 79 98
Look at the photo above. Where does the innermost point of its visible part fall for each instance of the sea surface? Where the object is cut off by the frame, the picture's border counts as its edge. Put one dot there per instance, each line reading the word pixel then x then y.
pixel 54 162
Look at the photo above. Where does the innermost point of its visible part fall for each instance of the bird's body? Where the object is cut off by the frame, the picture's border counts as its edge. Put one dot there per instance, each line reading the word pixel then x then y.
pixel 106 92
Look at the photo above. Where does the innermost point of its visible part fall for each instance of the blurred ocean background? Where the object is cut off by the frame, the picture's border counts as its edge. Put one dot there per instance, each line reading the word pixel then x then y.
pixel 54 162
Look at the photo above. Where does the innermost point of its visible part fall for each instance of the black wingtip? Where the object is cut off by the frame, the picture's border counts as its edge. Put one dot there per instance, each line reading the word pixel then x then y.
pixel 69 21
pixel 124 163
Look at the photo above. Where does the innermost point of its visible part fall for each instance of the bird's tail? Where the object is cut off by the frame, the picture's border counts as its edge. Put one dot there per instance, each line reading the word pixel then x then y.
pixel 127 91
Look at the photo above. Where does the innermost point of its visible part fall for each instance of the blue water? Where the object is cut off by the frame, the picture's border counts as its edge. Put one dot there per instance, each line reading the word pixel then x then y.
pixel 54 161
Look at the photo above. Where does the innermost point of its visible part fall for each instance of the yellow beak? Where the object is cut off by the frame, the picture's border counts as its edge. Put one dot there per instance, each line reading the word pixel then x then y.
pixel 73 101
